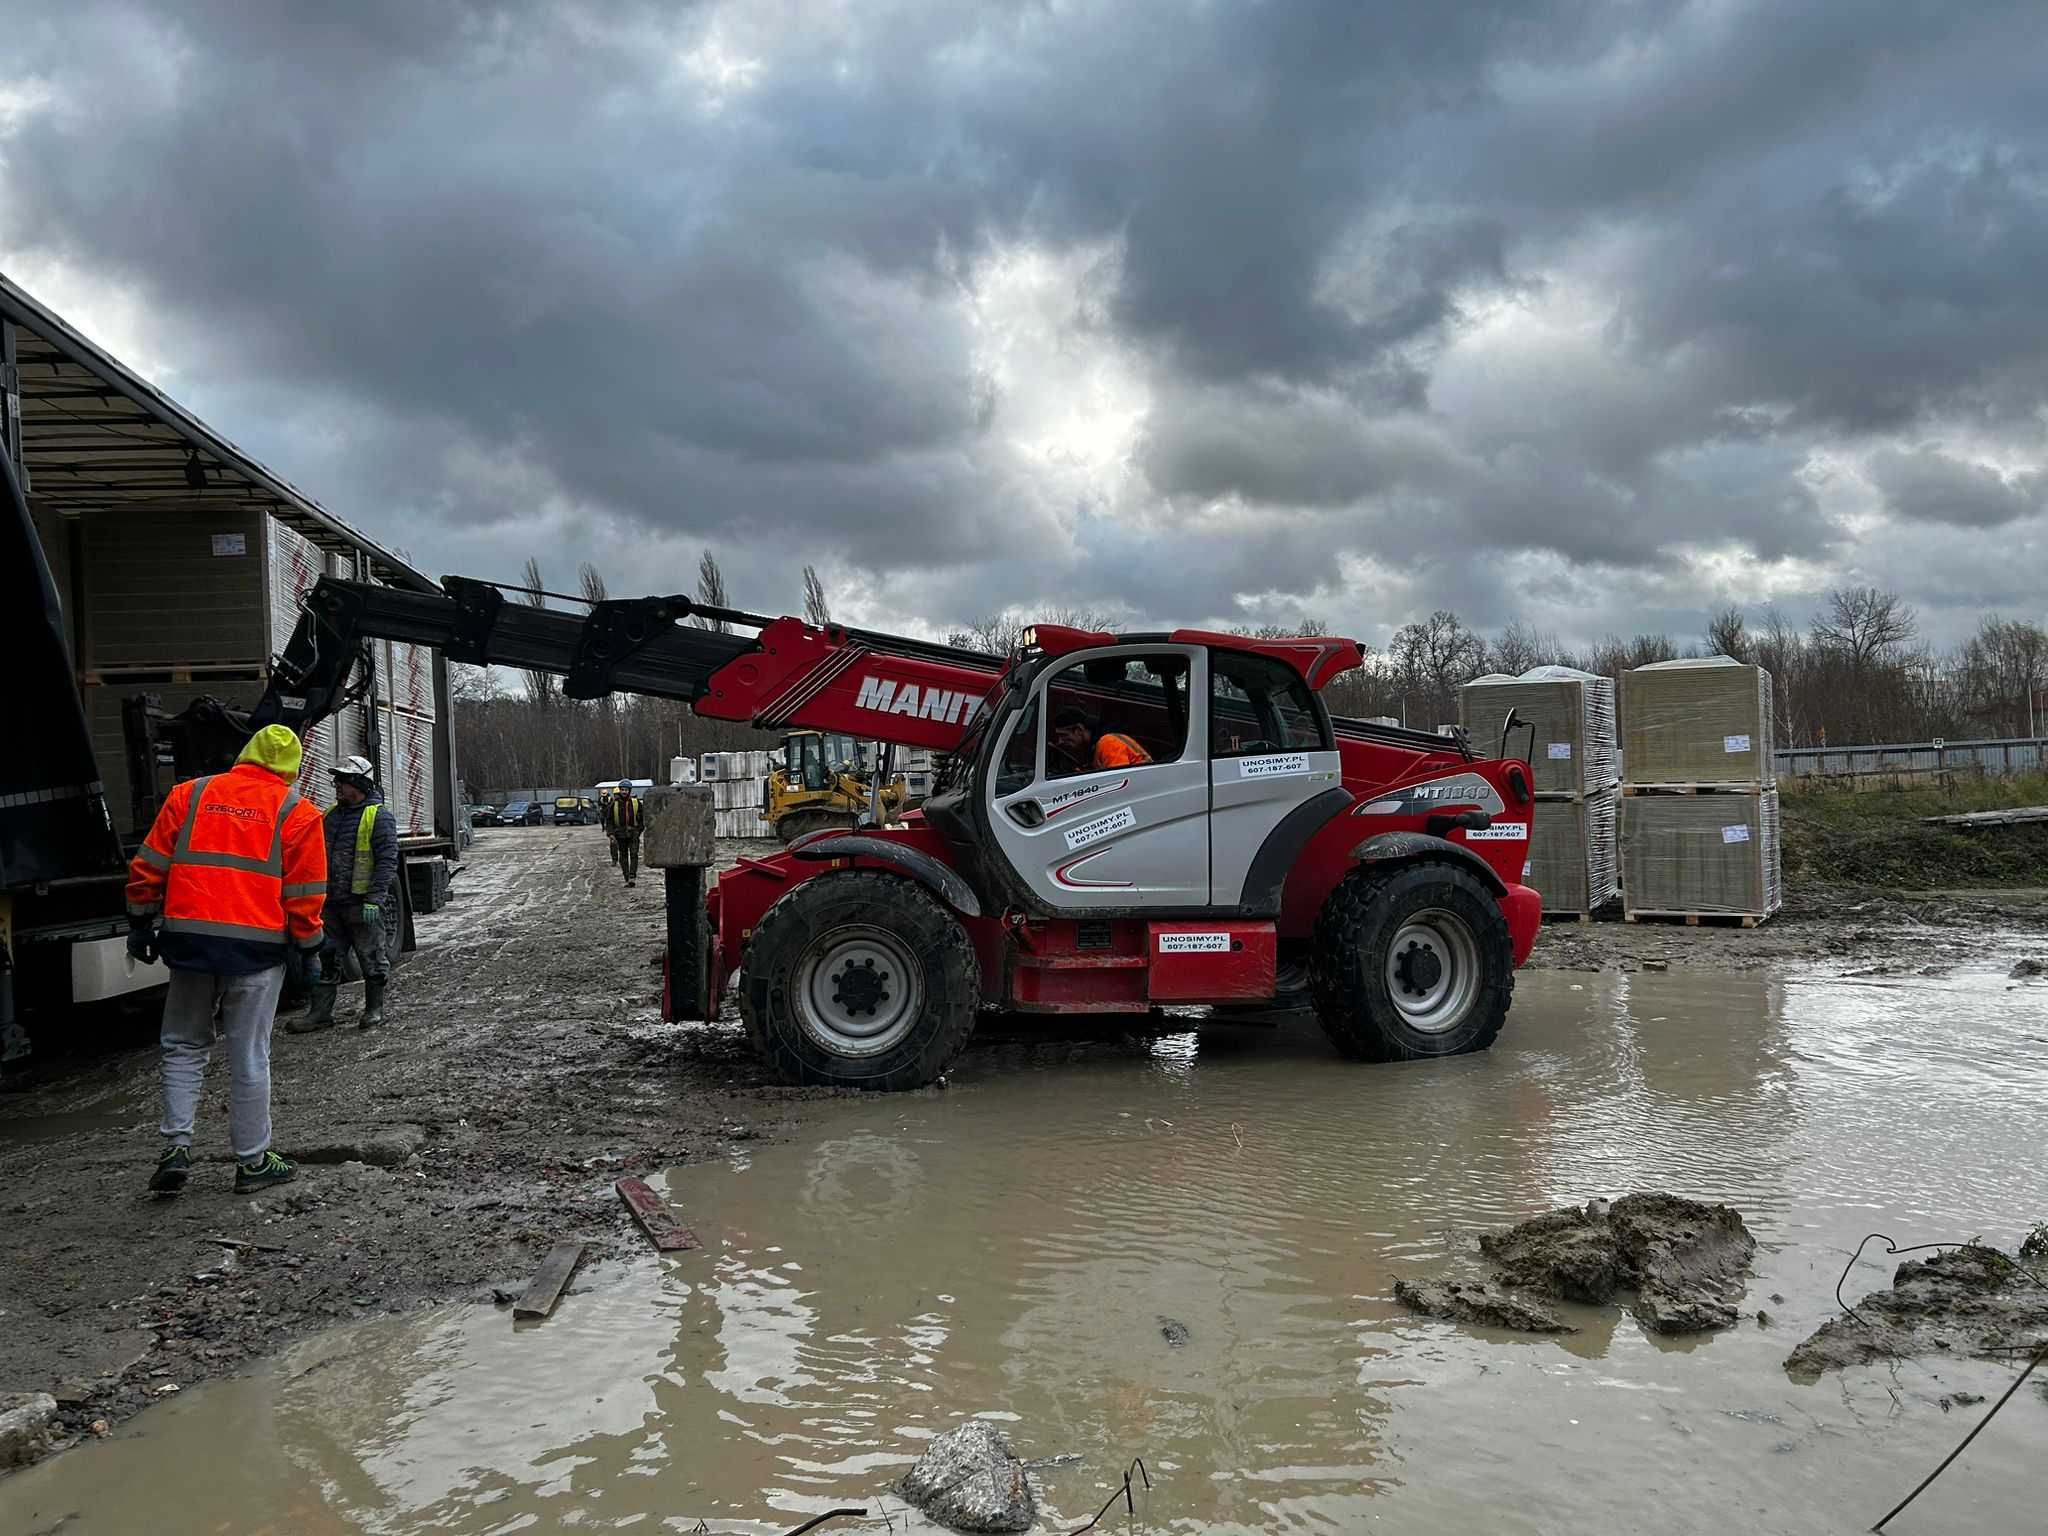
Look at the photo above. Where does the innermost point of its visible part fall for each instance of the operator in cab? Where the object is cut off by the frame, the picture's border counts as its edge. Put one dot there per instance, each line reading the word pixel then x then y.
pixel 1090 747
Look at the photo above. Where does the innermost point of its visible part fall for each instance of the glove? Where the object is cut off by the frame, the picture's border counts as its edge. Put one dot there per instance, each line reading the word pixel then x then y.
pixel 373 914
pixel 142 939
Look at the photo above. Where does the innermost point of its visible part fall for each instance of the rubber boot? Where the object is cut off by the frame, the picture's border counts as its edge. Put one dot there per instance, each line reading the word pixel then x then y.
pixel 320 1015
pixel 373 1005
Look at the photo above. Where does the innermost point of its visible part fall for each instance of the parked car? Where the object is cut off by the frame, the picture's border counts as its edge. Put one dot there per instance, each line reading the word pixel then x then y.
pixel 522 813
pixel 485 816
pixel 575 811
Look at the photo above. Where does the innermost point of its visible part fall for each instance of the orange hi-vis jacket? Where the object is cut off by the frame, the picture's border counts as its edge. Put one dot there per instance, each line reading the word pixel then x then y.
pixel 237 865
pixel 1113 749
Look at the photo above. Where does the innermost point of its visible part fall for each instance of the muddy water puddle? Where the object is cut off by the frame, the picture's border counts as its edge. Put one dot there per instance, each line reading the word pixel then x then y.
pixel 1185 1250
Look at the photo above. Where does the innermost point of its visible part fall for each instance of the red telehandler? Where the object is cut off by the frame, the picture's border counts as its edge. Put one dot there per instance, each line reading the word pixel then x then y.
pixel 1265 855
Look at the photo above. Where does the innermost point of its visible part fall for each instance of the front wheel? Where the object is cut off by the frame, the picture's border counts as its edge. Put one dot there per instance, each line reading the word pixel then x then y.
pixel 859 979
pixel 1410 962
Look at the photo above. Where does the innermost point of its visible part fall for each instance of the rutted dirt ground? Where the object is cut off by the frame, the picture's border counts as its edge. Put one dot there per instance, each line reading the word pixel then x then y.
pixel 523 1068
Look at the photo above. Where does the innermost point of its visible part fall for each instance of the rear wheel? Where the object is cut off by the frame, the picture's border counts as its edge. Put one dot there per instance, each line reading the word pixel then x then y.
pixel 1410 962
pixel 859 979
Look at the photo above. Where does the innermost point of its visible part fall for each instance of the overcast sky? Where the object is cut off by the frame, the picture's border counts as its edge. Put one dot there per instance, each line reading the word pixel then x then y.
pixel 1590 313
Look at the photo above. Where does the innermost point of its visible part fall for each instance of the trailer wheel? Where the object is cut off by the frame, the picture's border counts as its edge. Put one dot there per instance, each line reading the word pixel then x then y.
pixel 1411 962
pixel 859 979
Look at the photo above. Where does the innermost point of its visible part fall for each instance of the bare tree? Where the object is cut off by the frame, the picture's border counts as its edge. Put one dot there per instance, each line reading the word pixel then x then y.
pixel 711 590
pixel 997 634
pixel 817 607
pixel 593 582
pixel 1865 622
pixel 540 686
pixel 1521 646
pixel 1435 657
pixel 1728 634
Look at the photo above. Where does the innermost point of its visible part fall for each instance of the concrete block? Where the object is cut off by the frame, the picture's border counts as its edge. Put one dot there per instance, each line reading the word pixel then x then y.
pixel 680 822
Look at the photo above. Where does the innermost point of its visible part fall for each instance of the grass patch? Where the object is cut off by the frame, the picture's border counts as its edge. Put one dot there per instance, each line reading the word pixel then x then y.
pixel 1878 838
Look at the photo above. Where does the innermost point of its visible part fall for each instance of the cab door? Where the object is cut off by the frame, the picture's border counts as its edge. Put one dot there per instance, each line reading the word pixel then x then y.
pixel 1271 752
pixel 1083 838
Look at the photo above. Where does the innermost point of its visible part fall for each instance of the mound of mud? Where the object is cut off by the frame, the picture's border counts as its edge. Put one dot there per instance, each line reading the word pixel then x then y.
pixel 1476 1301
pixel 1685 1261
pixel 1969 1301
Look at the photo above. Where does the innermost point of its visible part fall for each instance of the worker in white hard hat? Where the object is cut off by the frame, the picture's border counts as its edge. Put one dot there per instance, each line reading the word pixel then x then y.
pixel 622 826
pixel 362 877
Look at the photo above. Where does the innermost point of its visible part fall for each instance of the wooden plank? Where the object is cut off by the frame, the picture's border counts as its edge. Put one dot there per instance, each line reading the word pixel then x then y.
pixel 656 1220
pixel 2018 816
pixel 548 1280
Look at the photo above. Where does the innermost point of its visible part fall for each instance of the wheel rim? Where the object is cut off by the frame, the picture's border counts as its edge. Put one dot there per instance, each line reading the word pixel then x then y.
pixel 859 990
pixel 1433 971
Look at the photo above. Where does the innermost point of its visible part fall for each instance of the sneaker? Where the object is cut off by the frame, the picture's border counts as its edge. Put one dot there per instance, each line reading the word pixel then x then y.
pixel 172 1169
pixel 266 1170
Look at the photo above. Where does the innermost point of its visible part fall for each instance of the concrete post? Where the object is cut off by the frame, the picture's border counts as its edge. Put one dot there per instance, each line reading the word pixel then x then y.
pixel 676 839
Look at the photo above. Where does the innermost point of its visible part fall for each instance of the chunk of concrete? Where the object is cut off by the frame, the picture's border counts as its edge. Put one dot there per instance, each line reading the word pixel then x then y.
pixel 27 1425
pixel 679 822
pixel 969 1479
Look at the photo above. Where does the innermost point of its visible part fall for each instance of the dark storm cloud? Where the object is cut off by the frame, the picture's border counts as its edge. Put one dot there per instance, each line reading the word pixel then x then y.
pixel 1927 486
pixel 1580 287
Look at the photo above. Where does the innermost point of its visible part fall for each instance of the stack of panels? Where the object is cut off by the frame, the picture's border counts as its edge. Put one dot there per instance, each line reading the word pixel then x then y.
pixel 1571 861
pixel 1687 855
pixel 1572 855
pixel 1700 819
pixel 1698 723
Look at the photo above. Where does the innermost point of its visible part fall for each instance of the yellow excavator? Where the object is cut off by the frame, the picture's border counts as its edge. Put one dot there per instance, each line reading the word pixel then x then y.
pixel 820 783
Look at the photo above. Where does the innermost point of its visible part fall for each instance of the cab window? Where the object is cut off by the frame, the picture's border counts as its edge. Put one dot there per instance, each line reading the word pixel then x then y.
pixel 1116 711
pixel 1020 754
pixel 1259 705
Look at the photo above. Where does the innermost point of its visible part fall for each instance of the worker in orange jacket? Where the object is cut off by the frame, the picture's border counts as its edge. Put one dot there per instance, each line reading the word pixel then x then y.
pixel 1091 747
pixel 228 889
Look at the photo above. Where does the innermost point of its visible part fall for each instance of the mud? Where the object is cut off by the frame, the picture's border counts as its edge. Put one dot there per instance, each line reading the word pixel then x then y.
pixel 1969 1301
pixel 1683 1261
pixel 1479 1302
pixel 1905 932
pixel 522 1067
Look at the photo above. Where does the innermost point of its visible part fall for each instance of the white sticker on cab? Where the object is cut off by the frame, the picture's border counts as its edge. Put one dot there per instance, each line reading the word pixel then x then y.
pixel 1505 832
pixel 1194 943
pixel 1277 765
pixel 1734 743
pixel 1735 834
pixel 1560 751
pixel 1102 826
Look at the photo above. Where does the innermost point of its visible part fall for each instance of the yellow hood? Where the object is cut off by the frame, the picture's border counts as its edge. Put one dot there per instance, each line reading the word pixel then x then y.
pixel 277 748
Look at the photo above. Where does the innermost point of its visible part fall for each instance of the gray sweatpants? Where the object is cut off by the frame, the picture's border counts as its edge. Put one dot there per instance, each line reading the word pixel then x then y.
pixel 248 1007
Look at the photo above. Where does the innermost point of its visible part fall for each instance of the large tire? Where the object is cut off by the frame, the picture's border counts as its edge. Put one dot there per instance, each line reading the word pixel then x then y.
pixel 800 823
pixel 915 986
pixel 1411 962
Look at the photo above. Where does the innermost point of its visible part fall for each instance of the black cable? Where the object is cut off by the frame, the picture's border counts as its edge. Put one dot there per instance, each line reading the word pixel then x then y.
pixel 1976 1429
pixel 1130 1504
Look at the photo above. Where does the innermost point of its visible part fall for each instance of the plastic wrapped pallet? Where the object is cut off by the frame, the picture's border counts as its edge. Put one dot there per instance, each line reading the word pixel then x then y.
pixel 1706 721
pixel 1573 713
pixel 1573 858
pixel 1686 854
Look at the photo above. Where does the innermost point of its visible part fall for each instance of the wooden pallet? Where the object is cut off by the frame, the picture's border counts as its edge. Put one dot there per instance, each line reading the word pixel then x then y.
pixel 1632 790
pixel 1566 917
pixel 132 675
pixel 1697 919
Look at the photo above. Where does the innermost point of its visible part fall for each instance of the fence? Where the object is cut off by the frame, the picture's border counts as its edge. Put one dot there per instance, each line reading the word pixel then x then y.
pixel 1988 759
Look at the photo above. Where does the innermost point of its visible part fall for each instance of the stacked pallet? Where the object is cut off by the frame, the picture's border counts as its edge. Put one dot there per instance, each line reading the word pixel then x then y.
pixel 739 788
pixel 1699 823
pixel 1571 861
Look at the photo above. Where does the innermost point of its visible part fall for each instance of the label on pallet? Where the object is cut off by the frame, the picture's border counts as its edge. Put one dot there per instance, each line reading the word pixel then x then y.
pixel 230 544
pixel 1559 751
pixel 1739 833
pixel 1194 943
pixel 1274 766
pixel 1102 826
pixel 1734 743
pixel 1506 832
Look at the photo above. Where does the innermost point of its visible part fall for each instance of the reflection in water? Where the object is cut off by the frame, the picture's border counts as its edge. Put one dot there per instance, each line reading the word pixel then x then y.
pixel 1016 1246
